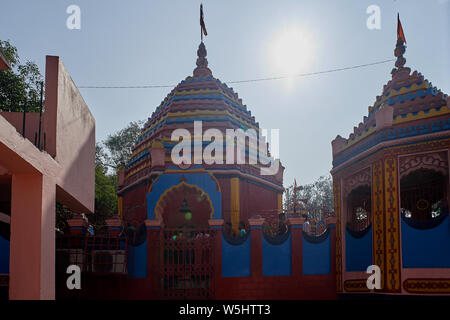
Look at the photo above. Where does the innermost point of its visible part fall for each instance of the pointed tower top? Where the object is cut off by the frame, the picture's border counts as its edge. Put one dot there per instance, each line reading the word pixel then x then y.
pixel 400 48
pixel 202 69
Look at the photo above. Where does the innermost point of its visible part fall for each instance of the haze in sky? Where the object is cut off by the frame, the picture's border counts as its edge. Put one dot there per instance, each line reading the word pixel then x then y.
pixel 142 42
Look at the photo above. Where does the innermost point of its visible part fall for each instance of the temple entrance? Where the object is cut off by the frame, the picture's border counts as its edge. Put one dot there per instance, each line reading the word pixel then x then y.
pixel 186 206
pixel 186 263
pixel 186 244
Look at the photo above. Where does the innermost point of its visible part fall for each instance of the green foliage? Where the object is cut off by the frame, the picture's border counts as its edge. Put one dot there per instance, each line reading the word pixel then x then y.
pixel 62 215
pixel 105 197
pixel 110 154
pixel 21 85
pixel 119 145
pixel 319 195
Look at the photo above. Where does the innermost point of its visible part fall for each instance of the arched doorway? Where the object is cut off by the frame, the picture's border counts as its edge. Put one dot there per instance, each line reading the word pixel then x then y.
pixel 185 205
pixel 186 243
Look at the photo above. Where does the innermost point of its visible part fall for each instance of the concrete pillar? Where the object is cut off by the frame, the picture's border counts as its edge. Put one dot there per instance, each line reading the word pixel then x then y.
pixel 338 264
pixel 78 225
pixel 331 223
pixel 32 259
pixel 114 225
pixel 256 246
pixel 154 256
pixel 235 204
pixel 216 225
pixel 297 245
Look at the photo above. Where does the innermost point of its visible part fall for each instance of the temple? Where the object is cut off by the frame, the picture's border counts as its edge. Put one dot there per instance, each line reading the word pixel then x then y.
pixel 153 187
pixel 391 189
pixel 201 229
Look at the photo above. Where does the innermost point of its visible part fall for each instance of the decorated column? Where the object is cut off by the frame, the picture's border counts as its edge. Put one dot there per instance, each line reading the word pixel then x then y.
pixel 392 232
pixel 378 219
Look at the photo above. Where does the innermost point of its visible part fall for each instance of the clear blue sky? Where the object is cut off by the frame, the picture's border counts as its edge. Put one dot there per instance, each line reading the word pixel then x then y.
pixel 143 42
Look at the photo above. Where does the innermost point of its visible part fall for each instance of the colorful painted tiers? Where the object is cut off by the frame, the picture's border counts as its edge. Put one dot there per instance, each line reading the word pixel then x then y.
pixel 151 185
pixel 391 190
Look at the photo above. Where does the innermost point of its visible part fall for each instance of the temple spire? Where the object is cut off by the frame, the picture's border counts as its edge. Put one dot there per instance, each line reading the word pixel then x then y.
pixel 400 47
pixel 202 69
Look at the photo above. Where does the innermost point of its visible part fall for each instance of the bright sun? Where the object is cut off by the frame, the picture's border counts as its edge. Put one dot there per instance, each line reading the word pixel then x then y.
pixel 291 51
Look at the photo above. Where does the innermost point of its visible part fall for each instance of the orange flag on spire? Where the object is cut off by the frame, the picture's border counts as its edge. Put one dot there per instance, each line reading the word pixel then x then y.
pixel 202 22
pixel 400 33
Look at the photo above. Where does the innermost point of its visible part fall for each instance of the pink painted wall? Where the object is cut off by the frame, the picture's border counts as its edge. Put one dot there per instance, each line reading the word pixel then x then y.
pixel 32 258
pixel 31 123
pixel 64 173
pixel 69 129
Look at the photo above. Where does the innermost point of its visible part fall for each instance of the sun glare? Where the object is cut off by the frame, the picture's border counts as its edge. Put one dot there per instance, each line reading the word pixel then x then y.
pixel 291 51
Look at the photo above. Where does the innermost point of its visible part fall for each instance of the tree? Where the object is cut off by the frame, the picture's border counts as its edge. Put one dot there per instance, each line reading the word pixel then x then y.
pixel 119 145
pixel 319 196
pixel 105 197
pixel 21 85
pixel 63 213
pixel 109 154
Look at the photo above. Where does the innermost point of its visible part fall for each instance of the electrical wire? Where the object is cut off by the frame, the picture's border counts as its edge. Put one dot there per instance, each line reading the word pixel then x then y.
pixel 248 80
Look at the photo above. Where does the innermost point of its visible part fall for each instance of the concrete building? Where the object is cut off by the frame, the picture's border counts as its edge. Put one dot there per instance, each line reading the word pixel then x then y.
pixel 33 179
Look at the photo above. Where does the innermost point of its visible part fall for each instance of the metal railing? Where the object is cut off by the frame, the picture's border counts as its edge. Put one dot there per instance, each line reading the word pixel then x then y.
pixel 93 254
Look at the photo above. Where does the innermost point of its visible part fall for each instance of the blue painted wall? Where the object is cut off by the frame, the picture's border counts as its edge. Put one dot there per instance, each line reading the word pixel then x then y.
pixel 202 180
pixel 236 259
pixel 4 255
pixel 137 263
pixel 429 248
pixel 358 251
pixel 277 258
pixel 317 257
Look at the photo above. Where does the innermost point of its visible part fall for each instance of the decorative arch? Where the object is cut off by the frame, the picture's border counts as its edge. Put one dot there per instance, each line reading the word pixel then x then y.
pixel 358 200
pixel 436 161
pixel 358 179
pixel 359 207
pixel 162 202
pixel 202 181
pixel 423 196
